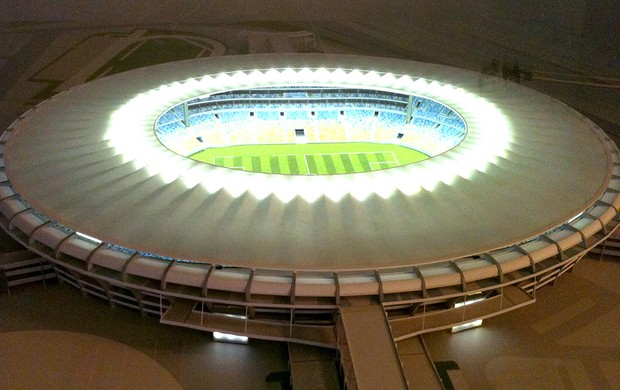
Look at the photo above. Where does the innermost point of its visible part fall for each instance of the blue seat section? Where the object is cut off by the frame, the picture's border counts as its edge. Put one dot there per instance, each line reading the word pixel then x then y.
pixel 234 116
pixel 201 118
pixel 297 115
pixel 393 118
pixel 360 115
pixel 429 113
pixel 174 114
pixel 421 122
pixel 170 128
pixel 327 114
pixel 268 115
pixel 303 93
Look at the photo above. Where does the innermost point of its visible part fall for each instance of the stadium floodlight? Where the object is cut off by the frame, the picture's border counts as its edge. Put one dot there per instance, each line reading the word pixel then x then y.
pixel 131 133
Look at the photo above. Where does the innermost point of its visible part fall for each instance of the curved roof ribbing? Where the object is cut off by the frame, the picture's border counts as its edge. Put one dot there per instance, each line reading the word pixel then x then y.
pixel 89 159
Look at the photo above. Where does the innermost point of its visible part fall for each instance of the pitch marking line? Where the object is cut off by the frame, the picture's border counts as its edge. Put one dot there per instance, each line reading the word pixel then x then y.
pixel 307 166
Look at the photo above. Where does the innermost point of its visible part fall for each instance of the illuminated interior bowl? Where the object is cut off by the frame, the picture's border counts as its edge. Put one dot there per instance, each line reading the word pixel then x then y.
pixel 310 129
pixel 89 159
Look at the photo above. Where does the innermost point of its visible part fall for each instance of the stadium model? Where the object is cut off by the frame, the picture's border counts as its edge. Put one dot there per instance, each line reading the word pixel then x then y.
pixel 98 182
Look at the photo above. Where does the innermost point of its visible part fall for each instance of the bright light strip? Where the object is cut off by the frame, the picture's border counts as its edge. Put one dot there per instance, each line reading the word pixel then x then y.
pixel 93 239
pixel 574 218
pixel 230 338
pixel 467 325
pixel 461 304
pixel 131 133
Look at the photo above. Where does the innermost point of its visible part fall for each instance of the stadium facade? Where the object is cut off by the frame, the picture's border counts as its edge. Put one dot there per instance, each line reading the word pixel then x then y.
pixel 526 192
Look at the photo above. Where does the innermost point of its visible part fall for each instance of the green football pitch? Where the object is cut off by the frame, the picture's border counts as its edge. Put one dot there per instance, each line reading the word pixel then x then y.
pixel 312 158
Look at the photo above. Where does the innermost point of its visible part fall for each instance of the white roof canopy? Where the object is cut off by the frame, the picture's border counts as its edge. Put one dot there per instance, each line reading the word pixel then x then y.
pixel 89 159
